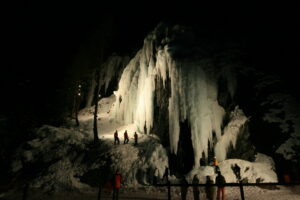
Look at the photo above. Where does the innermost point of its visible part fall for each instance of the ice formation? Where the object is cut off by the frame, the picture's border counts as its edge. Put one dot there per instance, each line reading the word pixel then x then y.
pixel 194 94
pixel 231 131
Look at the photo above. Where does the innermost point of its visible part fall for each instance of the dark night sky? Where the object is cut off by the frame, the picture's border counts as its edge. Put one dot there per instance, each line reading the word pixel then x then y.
pixel 43 39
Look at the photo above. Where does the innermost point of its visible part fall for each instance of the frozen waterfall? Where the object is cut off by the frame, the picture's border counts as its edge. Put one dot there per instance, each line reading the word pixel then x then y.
pixel 194 96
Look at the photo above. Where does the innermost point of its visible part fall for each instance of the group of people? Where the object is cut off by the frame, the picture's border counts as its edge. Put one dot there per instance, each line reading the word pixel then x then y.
pixel 126 138
pixel 210 189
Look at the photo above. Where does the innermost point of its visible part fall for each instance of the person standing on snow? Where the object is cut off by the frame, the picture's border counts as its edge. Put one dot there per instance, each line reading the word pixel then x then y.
pixel 126 138
pixel 116 138
pixel 135 138
pixel 237 171
pixel 166 174
pixel 184 188
pixel 210 190
pixel 220 181
pixel 116 184
pixel 196 190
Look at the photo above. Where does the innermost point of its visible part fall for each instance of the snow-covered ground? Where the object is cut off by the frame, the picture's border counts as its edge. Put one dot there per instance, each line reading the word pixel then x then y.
pixel 66 148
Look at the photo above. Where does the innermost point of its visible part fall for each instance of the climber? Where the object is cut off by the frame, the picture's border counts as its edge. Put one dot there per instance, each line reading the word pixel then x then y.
pixel 116 138
pixel 135 138
pixel 166 175
pixel 126 138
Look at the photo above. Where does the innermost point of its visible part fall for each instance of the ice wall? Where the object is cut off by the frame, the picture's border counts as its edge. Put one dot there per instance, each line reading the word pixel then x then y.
pixel 194 92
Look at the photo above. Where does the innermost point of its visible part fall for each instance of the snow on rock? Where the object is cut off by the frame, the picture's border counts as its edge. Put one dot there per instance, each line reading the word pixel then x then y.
pixel 71 163
pixel 50 138
pixel 59 177
pixel 262 170
pixel 59 151
pixel 138 163
pixel 194 91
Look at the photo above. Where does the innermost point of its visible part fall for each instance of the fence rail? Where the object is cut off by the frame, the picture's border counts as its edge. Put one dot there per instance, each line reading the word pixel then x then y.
pixel 239 193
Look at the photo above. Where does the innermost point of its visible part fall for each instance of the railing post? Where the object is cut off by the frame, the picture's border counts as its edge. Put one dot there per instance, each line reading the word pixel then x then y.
pixel 242 191
pixel 99 192
pixel 25 191
pixel 169 191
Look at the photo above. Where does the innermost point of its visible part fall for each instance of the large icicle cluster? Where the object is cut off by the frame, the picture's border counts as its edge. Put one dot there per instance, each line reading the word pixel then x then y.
pixel 194 93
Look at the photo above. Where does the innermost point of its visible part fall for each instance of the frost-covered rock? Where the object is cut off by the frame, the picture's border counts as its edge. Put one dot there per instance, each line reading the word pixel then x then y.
pixel 262 170
pixel 59 177
pixel 61 141
pixel 137 164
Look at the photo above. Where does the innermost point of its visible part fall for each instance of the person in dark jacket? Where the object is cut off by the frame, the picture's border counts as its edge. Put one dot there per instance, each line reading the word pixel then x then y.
pixel 135 138
pixel 237 171
pixel 126 138
pixel 184 188
pixel 166 174
pixel 196 190
pixel 117 178
pixel 116 138
pixel 220 181
pixel 210 190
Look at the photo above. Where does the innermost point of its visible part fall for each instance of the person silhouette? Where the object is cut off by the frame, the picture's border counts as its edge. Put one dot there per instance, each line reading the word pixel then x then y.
pixel 237 171
pixel 220 181
pixel 135 138
pixel 166 174
pixel 126 138
pixel 117 178
pixel 116 138
pixel 196 190
pixel 184 188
